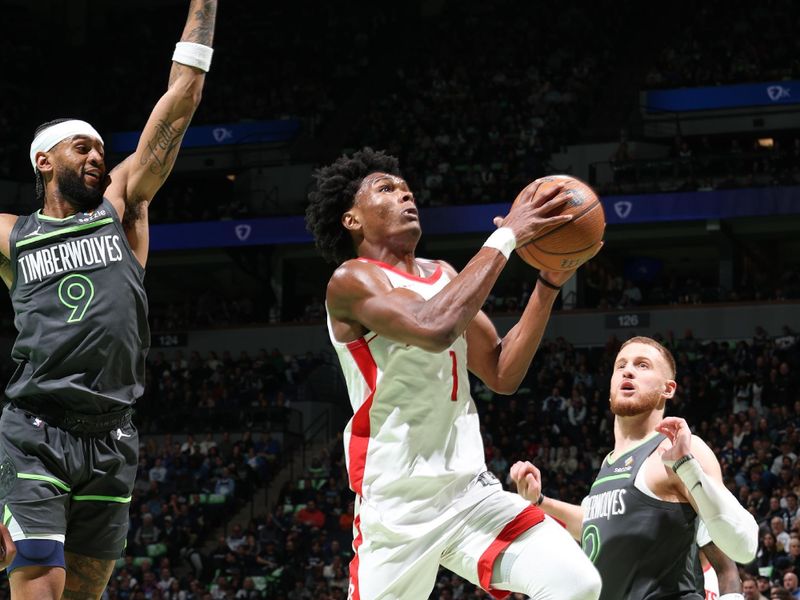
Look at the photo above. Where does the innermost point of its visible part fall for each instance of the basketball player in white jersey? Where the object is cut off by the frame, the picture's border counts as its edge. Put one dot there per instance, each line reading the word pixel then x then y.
pixel 407 331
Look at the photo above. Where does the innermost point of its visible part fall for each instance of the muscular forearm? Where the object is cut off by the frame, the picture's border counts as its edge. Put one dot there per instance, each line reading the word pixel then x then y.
pixel 199 29
pixel 571 515
pixel 521 342
pixel 724 567
pixel 450 311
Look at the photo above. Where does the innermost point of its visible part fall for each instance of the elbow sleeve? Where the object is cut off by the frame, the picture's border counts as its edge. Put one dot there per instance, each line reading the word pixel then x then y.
pixel 731 527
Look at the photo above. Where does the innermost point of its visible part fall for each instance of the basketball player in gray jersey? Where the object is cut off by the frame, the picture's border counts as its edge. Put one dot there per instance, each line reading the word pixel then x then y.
pixel 75 270
pixel 639 522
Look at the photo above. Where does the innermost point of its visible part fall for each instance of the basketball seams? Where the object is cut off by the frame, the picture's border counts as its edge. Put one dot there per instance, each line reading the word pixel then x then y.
pixel 549 253
pixel 576 216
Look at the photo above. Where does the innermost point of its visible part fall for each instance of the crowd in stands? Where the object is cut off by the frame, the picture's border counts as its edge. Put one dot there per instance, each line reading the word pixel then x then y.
pixel 758 45
pixel 477 126
pixel 469 127
pixel 219 392
pixel 605 283
pixel 705 163
pixel 291 77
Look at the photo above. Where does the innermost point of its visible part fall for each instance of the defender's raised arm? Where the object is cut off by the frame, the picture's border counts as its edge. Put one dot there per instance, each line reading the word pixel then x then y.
pixel 137 179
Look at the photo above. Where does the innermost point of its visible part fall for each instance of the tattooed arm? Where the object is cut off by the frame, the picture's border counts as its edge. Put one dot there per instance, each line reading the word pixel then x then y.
pixel 135 181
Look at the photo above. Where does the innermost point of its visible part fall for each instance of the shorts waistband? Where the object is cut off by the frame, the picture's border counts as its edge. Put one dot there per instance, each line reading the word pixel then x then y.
pixel 78 423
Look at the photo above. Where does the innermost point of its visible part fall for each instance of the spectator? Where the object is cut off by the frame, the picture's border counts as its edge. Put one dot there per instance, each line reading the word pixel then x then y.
pixel 791 584
pixel 310 515
pixel 225 485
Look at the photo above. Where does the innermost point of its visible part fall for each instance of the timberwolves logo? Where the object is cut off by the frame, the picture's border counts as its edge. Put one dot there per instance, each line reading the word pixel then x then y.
pixel 590 542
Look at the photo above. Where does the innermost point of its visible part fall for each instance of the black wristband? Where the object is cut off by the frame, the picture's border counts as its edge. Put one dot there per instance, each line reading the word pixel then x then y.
pixel 546 283
pixel 682 460
pixel 539 501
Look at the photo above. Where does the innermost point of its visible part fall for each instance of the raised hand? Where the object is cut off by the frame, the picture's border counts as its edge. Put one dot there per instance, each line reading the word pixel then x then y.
pixel 529 218
pixel 678 432
pixel 528 479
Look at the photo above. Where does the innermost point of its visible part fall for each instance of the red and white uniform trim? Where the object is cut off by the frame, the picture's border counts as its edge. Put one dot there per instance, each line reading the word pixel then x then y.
pixel 413 443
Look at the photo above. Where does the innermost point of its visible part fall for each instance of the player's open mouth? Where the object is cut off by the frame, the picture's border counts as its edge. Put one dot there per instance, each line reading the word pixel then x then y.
pixel 627 386
pixel 93 175
pixel 411 212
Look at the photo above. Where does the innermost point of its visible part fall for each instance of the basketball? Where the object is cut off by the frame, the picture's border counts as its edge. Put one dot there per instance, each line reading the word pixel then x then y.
pixel 569 245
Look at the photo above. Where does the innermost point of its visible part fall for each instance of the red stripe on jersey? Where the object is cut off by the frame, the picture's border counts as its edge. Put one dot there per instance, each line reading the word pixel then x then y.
pixel 360 432
pixel 560 522
pixel 354 593
pixel 433 278
pixel 530 516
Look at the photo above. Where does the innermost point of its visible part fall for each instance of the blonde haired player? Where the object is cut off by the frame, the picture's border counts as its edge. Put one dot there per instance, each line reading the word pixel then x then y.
pixel 638 523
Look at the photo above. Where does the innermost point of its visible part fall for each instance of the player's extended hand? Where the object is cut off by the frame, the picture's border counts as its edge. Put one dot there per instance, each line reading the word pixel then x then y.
pixel 7 548
pixel 678 432
pixel 529 218
pixel 528 479
pixel 559 278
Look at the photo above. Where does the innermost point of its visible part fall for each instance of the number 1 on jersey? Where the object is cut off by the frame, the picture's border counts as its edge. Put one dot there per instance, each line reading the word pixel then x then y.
pixel 454 393
pixel 76 292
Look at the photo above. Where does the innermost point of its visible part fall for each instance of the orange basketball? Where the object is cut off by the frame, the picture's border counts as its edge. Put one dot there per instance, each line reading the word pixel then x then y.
pixel 571 244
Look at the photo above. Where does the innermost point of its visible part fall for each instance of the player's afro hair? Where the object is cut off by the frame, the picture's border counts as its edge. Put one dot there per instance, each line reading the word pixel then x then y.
pixel 333 195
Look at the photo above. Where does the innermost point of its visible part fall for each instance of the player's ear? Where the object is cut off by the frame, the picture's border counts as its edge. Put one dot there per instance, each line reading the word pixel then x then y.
pixel 43 163
pixel 669 389
pixel 350 221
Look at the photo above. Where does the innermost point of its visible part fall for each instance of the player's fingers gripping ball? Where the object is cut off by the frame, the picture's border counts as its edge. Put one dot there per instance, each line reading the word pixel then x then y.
pixel 569 245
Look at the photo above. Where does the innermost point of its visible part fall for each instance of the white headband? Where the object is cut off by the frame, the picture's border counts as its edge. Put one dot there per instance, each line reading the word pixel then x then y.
pixel 49 137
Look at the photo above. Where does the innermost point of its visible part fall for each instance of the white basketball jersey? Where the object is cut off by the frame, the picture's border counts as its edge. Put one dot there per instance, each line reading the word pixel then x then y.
pixel 711 583
pixel 413 444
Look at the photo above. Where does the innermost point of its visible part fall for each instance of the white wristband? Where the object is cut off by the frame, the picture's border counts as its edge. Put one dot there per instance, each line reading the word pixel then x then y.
pixel 193 55
pixel 503 240
pixel 732 596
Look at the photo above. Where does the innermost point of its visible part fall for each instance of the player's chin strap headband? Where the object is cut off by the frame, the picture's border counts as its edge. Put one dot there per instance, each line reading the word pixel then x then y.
pixel 54 134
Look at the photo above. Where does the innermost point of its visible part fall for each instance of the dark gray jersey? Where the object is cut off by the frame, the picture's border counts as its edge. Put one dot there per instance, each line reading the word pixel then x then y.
pixel 81 313
pixel 644 548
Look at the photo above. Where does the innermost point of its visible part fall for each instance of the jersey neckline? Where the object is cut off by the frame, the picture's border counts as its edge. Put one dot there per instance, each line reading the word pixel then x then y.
pixel 432 278
pixel 43 217
pixel 639 444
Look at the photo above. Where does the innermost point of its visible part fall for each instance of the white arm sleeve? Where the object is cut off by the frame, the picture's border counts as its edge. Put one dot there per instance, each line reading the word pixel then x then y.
pixel 732 528
pixel 703 538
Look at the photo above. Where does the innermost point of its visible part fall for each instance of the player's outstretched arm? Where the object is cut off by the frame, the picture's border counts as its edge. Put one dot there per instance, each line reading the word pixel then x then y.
pixel 693 468
pixel 359 293
pixel 135 181
pixel 529 485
